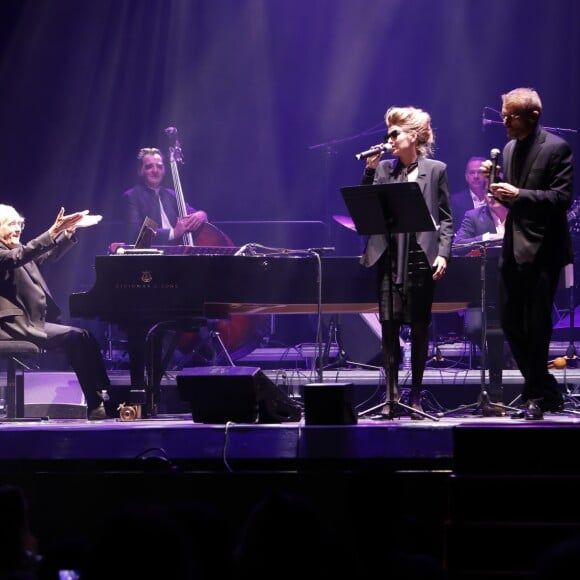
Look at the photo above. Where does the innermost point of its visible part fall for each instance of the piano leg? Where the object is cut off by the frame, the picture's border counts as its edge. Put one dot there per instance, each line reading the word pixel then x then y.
pixel 145 363
pixel 155 364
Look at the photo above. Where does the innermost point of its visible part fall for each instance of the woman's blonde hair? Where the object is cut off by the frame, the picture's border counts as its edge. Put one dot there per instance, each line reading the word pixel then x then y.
pixel 413 119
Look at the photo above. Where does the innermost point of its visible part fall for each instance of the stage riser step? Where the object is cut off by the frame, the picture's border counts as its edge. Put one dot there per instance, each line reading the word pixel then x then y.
pixel 447 375
pixel 305 354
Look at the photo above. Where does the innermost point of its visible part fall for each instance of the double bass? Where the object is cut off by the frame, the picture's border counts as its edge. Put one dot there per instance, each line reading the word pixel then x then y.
pixel 239 335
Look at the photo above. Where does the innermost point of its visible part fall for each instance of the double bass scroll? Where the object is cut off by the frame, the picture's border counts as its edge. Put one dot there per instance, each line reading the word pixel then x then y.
pixel 207 234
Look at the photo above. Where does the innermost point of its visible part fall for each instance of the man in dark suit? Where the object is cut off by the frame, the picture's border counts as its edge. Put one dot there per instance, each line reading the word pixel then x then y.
pixel 149 198
pixel 473 196
pixel 27 309
pixel 537 188
pixel 481 224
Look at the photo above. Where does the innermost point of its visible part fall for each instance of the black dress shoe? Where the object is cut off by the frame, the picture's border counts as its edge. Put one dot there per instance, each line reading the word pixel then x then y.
pixel 98 413
pixel 533 411
pixel 518 414
pixel 389 411
pixel 551 405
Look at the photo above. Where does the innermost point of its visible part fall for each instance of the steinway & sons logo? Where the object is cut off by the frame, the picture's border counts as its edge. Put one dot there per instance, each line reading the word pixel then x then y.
pixel 145 281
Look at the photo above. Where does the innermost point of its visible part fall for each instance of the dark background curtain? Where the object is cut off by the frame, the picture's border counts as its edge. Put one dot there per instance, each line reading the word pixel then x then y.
pixel 271 99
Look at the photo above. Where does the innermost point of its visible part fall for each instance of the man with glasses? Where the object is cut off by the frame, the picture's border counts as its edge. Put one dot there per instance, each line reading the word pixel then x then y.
pixel 27 309
pixel 149 198
pixel 537 189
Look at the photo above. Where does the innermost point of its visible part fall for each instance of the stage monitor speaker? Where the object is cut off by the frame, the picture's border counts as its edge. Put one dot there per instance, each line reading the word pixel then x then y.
pixel 219 394
pixel 329 404
pixel 57 395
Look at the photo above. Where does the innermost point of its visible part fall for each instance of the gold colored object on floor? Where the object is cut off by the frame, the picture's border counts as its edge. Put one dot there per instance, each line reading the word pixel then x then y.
pixel 129 412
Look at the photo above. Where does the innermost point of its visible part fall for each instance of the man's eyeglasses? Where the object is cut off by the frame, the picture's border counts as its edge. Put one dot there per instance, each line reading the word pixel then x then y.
pixel 392 135
pixel 510 117
pixel 16 223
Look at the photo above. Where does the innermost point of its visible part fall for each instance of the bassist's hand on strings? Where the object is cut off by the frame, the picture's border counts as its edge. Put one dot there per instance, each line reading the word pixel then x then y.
pixel 190 223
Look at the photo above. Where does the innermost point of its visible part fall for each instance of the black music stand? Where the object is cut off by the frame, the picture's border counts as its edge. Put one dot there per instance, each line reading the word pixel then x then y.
pixel 386 209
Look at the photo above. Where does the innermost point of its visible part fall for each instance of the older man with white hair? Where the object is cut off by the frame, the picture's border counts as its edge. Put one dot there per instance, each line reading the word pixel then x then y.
pixel 27 309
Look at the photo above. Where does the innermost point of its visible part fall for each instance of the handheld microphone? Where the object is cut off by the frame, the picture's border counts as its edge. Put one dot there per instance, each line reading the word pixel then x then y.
pixel 493 155
pixel 373 151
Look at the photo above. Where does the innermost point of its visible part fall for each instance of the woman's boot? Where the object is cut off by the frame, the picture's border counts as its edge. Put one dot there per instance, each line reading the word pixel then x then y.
pixel 415 403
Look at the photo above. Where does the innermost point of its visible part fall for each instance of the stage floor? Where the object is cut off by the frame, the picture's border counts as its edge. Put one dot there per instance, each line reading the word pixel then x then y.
pixel 398 443
pixel 450 398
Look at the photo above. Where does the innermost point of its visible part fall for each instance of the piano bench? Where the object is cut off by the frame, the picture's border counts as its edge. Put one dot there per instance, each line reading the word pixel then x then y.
pixel 12 392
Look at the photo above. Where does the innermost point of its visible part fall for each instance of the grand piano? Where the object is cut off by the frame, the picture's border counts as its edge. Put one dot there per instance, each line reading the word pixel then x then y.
pixel 158 287
pixel 163 286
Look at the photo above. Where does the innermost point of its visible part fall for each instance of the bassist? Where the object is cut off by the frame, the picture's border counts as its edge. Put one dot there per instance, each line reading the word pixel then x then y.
pixel 149 198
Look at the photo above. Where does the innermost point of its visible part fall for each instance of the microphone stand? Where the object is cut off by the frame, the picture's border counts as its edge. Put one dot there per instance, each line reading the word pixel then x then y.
pixel 371 131
pixel 315 252
pixel 483 400
pixel 557 130
pixel 571 350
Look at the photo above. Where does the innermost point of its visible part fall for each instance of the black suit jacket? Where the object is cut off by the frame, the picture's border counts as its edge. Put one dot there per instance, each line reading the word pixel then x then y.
pixel 140 202
pixel 24 295
pixel 461 203
pixel 433 181
pixel 537 230
pixel 476 222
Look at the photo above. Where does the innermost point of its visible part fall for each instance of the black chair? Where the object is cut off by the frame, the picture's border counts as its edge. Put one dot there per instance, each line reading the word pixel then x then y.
pixel 12 392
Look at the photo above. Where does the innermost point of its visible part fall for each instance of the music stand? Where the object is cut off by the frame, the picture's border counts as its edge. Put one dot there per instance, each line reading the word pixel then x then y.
pixel 146 234
pixel 389 208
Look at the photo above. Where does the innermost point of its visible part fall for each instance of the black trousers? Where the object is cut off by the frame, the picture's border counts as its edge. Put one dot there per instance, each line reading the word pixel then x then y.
pixel 526 298
pixel 82 350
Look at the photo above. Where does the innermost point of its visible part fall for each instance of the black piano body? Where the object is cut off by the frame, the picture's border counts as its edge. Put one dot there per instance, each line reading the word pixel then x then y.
pixel 169 286
pixel 163 287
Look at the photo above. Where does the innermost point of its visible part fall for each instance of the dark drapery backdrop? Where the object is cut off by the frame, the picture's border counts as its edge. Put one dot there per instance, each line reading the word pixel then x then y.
pixel 271 99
